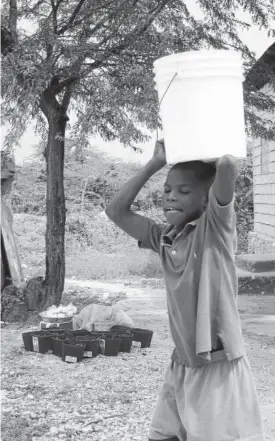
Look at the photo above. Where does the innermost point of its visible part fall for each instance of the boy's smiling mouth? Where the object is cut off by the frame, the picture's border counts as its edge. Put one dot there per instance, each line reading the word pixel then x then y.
pixel 173 210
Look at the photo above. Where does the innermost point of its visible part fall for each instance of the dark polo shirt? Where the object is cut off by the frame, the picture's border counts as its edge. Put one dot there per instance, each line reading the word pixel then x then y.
pixel 201 284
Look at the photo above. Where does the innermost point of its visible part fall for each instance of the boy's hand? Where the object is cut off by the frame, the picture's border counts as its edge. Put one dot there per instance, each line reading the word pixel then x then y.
pixel 159 155
pixel 229 159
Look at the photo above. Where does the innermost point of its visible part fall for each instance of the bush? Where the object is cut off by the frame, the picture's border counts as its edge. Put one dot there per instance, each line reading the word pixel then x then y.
pixel 79 228
pixel 100 187
pixel 244 203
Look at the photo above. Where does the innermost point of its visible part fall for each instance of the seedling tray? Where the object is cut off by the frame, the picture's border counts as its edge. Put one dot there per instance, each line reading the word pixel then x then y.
pixel 72 352
pixel 28 339
pixel 33 340
pixel 144 336
pixel 79 332
pixel 123 329
pixel 91 343
pixel 126 340
pixel 109 344
pixel 57 346
pixel 42 343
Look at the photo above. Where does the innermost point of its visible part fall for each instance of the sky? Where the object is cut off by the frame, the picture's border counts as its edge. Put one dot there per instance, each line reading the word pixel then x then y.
pixel 255 39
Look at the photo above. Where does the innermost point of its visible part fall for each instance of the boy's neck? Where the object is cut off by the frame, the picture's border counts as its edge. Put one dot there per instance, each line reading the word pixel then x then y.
pixel 194 220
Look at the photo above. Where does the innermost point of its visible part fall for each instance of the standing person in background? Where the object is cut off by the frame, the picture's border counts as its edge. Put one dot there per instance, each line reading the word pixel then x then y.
pixel 208 392
pixel 7 177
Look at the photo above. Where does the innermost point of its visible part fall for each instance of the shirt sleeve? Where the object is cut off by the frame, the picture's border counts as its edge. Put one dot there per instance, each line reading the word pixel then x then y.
pixel 222 219
pixel 151 236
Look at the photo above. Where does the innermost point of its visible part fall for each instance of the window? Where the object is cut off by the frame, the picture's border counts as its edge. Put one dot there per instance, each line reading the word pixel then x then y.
pixel 264 156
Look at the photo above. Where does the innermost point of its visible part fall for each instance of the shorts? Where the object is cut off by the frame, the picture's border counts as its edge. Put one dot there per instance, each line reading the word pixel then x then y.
pixel 213 402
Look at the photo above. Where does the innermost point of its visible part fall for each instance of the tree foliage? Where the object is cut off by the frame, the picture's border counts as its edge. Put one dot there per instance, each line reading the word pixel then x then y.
pixel 98 57
pixel 244 205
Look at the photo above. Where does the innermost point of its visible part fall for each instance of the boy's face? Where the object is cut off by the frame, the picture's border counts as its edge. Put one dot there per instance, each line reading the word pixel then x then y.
pixel 184 197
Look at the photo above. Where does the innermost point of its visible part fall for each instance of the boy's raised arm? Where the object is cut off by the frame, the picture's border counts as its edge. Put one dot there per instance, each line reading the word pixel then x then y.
pixel 226 175
pixel 119 209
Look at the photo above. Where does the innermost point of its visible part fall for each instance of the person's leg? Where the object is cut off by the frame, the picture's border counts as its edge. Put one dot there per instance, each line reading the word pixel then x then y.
pixel 221 403
pixel 166 424
pixel 5 271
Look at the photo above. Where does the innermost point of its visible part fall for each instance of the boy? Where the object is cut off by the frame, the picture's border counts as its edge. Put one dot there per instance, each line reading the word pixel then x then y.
pixel 208 392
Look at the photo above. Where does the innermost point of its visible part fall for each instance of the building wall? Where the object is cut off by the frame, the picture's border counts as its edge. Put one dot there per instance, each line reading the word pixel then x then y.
pixel 262 240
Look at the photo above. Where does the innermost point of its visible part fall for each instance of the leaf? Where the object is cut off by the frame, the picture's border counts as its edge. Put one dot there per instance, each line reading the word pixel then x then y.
pixel 107 49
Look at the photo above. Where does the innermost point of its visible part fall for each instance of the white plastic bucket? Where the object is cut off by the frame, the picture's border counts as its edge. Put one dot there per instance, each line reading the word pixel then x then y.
pixel 202 108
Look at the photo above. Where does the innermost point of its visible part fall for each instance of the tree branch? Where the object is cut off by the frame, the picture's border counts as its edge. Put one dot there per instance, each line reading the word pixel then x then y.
pixel 106 18
pixel 9 37
pixel 108 37
pixel 72 17
pixel 86 17
pixel 43 106
pixel 51 107
pixel 138 30
pixel 54 10
pixel 13 18
pixel 65 83
pixel 135 33
pixel 34 9
pixel 68 82
pixel 67 97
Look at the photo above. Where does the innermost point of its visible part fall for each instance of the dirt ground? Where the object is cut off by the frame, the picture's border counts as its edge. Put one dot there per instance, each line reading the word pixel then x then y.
pixel 112 398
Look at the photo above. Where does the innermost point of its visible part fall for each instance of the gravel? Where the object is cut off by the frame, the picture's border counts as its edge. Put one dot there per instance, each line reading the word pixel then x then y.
pixel 105 398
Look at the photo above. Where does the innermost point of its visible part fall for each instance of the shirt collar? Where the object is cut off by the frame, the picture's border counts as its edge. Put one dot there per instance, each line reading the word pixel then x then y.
pixel 170 233
pixel 194 222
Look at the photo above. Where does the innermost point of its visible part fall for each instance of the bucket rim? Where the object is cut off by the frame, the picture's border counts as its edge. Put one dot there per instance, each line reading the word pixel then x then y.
pixel 164 79
pixel 203 54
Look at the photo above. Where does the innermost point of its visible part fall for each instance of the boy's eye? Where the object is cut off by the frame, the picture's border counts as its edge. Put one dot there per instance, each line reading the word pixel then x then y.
pixel 185 191
pixel 166 190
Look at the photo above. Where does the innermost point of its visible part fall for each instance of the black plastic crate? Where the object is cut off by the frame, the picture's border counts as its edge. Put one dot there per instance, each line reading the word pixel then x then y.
pixel 72 352
pixel 109 344
pixel 57 346
pixel 28 339
pixel 40 341
pixel 44 343
pixel 123 329
pixel 91 345
pixel 144 336
pixel 79 332
pixel 126 340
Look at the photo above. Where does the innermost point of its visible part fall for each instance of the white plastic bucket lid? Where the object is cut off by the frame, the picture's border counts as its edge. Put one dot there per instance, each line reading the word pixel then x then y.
pixel 199 63
pixel 202 55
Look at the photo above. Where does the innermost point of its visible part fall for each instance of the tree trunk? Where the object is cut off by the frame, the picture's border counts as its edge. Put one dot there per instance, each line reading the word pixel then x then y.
pixel 56 211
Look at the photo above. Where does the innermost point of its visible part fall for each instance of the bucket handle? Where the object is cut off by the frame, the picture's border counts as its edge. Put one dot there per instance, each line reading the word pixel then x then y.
pixel 171 81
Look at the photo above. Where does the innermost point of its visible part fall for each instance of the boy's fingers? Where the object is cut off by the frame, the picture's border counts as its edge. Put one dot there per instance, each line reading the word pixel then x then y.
pixel 161 142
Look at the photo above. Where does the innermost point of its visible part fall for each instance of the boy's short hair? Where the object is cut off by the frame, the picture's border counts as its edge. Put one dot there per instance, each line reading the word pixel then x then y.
pixel 205 171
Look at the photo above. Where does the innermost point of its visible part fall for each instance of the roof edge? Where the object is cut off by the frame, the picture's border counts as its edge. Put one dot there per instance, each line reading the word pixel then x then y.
pixel 263 69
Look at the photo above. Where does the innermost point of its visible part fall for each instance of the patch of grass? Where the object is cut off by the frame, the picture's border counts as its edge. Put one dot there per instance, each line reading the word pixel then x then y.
pixel 83 297
pixel 29 231
pixel 95 265
pixel 111 254
pixel 15 427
